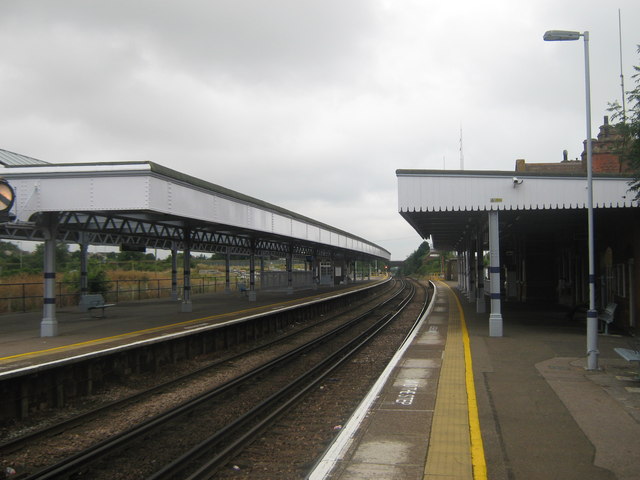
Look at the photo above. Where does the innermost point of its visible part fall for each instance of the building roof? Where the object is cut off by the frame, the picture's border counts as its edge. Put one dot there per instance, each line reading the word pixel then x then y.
pixel 11 159
pixel 566 166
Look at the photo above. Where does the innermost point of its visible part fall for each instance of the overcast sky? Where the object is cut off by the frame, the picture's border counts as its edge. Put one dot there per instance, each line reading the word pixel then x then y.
pixel 309 104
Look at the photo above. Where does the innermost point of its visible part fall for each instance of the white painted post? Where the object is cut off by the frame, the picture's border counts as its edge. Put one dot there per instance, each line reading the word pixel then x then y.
pixel 464 272
pixel 495 317
pixel 186 305
pixel 315 270
pixel 289 273
pixel 227 273
pixel 174 272
pixel 480 305
pixel 471 265
pixel 49 324
pixel 252 278
pixel 262 270
pixel 84 256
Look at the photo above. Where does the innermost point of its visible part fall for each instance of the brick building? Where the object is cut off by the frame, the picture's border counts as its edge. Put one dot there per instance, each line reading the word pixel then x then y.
pixel 605 156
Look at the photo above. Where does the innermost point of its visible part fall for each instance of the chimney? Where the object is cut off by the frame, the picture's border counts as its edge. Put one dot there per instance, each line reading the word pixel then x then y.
pixel 565 156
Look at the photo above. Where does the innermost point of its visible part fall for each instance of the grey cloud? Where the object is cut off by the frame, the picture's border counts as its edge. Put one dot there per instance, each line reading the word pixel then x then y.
pixel 245 40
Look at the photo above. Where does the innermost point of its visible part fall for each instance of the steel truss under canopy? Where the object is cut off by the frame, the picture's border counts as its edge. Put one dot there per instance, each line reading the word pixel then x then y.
pixel 135 231
pixel 142 204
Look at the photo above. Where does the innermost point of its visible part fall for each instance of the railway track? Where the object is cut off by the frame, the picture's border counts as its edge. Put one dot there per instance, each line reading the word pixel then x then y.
pixel 245 429
pixel 291 447
pixel 34 435
pixel 224 410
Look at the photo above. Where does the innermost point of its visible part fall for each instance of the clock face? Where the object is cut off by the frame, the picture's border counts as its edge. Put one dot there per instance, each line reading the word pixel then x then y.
pixel 7 196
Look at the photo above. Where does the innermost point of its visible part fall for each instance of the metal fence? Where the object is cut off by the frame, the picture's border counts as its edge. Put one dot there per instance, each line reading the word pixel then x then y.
pixel 26 297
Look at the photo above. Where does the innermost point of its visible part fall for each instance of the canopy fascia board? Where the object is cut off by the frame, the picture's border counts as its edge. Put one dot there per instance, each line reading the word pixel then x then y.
pixel 429 191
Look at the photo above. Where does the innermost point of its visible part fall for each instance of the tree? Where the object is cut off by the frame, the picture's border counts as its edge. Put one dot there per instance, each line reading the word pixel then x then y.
pixel 629 126
pixel 34 262
pixel 414 262
pixel 10 258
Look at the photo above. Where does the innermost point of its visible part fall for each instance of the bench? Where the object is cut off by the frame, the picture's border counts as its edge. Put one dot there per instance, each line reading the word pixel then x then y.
pixel 607 316
pixel 89 303
pixel 629 355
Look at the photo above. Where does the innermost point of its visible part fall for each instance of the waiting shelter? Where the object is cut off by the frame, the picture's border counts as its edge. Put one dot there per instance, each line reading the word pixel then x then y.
pixel 533 225
pixel 138 205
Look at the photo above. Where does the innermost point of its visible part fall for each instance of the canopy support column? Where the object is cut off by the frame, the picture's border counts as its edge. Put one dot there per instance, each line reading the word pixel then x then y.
pixel 186 305
pixel 174 272
pixel 261 270
pixel 495 317
pixel 480 305
pixel 289 272
pixel 49 324
pixel 315 270
pixel 227 272
pixel 471 274
pixel 84 262
pixel 252 277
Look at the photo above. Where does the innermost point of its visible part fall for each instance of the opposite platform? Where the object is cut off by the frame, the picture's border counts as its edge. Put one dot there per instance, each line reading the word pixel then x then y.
pixel 128 322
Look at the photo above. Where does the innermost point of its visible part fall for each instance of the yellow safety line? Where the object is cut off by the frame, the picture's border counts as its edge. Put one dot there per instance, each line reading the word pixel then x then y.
pixel 449 452
pixel 153 329
pixel 477 447
pixel 455 445
pixel 122 335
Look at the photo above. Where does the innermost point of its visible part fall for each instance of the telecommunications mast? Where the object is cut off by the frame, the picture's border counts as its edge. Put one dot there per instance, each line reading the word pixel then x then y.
pixel 624 108
pixel 461 154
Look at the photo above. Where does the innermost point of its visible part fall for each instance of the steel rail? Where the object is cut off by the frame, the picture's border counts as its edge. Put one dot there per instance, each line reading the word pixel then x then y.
pixel 14 444
pixel 77 462
pixel 283 400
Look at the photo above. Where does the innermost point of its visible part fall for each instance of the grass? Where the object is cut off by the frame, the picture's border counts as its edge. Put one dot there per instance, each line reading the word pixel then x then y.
pixel 24 292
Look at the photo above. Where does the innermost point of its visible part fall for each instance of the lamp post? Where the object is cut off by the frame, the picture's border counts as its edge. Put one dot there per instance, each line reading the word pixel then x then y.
pixel 592 314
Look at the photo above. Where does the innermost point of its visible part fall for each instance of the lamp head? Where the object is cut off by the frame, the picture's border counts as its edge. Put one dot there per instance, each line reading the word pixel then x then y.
pixel 561 35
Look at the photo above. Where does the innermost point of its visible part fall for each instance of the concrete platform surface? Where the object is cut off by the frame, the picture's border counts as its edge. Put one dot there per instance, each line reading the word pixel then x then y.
pixel 543 415
pixel 539 414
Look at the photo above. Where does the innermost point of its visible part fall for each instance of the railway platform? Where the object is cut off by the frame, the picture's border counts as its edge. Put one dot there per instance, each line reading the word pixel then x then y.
pixel 538 413
pixel 458 404
pixel 127 322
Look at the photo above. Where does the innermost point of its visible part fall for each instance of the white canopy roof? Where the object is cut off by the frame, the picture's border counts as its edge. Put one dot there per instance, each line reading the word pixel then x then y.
pixel 444 204
pixel 150 205
pixel 442 190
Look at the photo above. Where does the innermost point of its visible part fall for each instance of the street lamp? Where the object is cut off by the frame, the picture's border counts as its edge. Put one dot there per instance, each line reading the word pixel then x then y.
pixel 592 314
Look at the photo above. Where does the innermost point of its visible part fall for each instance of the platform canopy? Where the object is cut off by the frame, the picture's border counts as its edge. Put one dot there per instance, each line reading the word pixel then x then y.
pixel 444 204
pixel 143 204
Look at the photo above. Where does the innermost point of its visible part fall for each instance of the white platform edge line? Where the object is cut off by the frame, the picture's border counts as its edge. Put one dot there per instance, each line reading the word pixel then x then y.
pixel 340 445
